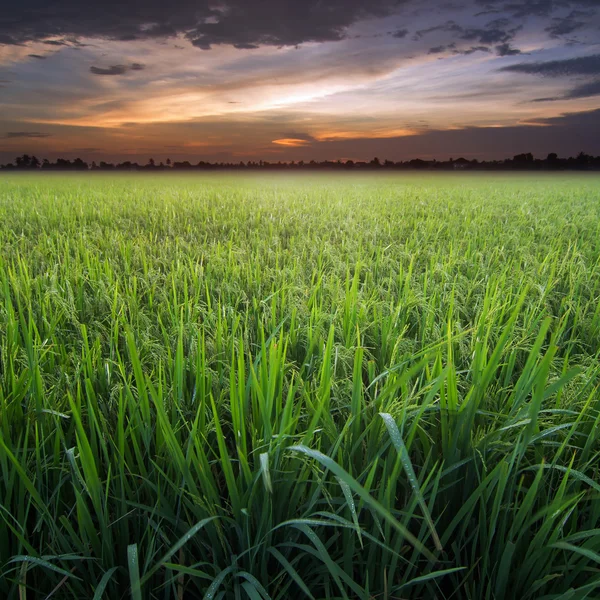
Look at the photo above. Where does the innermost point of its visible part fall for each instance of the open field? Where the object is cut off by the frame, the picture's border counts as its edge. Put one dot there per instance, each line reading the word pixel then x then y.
pixel 310 387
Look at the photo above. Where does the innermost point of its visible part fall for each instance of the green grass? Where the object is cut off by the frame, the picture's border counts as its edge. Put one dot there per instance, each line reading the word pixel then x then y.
pixel 311 387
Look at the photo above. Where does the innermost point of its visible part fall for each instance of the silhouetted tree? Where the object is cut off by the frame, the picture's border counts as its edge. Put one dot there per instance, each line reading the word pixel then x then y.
pixel 80 164
pixel 22 162
pixel 582 158
pixel 523 158
pixel 182 165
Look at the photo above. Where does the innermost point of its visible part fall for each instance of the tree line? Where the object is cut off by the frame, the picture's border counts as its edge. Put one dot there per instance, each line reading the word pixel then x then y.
pixel 524 161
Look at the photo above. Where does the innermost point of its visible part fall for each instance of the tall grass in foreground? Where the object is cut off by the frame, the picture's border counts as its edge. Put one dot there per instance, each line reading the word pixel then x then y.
pixel 299 388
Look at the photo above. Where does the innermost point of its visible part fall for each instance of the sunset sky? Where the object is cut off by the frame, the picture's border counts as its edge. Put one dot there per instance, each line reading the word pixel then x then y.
pixel 231 80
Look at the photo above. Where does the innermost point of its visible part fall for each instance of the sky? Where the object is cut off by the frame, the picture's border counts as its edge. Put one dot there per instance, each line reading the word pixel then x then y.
pixel 232 80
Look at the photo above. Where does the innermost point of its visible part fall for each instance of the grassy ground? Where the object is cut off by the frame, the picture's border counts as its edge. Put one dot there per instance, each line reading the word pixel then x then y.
pixel 311 387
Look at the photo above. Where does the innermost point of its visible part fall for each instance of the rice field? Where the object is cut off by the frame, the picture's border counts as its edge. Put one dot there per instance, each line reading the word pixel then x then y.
pixel 280 387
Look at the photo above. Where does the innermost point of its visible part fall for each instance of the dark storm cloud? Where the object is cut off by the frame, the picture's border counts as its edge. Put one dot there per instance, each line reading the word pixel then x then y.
pixel 26 134
pixel 583 65
pixel 205 23
pixel 247 24
pixel 117 69
pixel 284 23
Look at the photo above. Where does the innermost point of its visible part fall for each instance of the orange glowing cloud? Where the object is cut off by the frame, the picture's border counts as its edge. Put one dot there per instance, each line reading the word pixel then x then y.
pixel 291 142
pixel 371 133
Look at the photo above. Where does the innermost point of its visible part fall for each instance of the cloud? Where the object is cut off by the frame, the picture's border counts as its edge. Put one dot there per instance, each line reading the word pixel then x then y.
pixel 38 56
pixel 26 134
pixel 291 142
pixel 588 118
pixel 585 90
pixel 117 69
pixel 400 33
pixel 566 134
pixel 438 49
pixel 497 32
pixel 506 50
pixel 450 26
pixel 583 65
pixel 114 70
pixel 84 150
pixel 486 36
pixel 472 50
pixel 566 25
pixel 532 8
pixel 204 23
pixel 244 46
pixel 305 137
pixel 294 139
pixel 69 42
pixel 284 22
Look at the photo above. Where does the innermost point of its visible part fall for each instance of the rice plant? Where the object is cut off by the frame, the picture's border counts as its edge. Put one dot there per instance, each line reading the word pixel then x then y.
pixel 318 387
